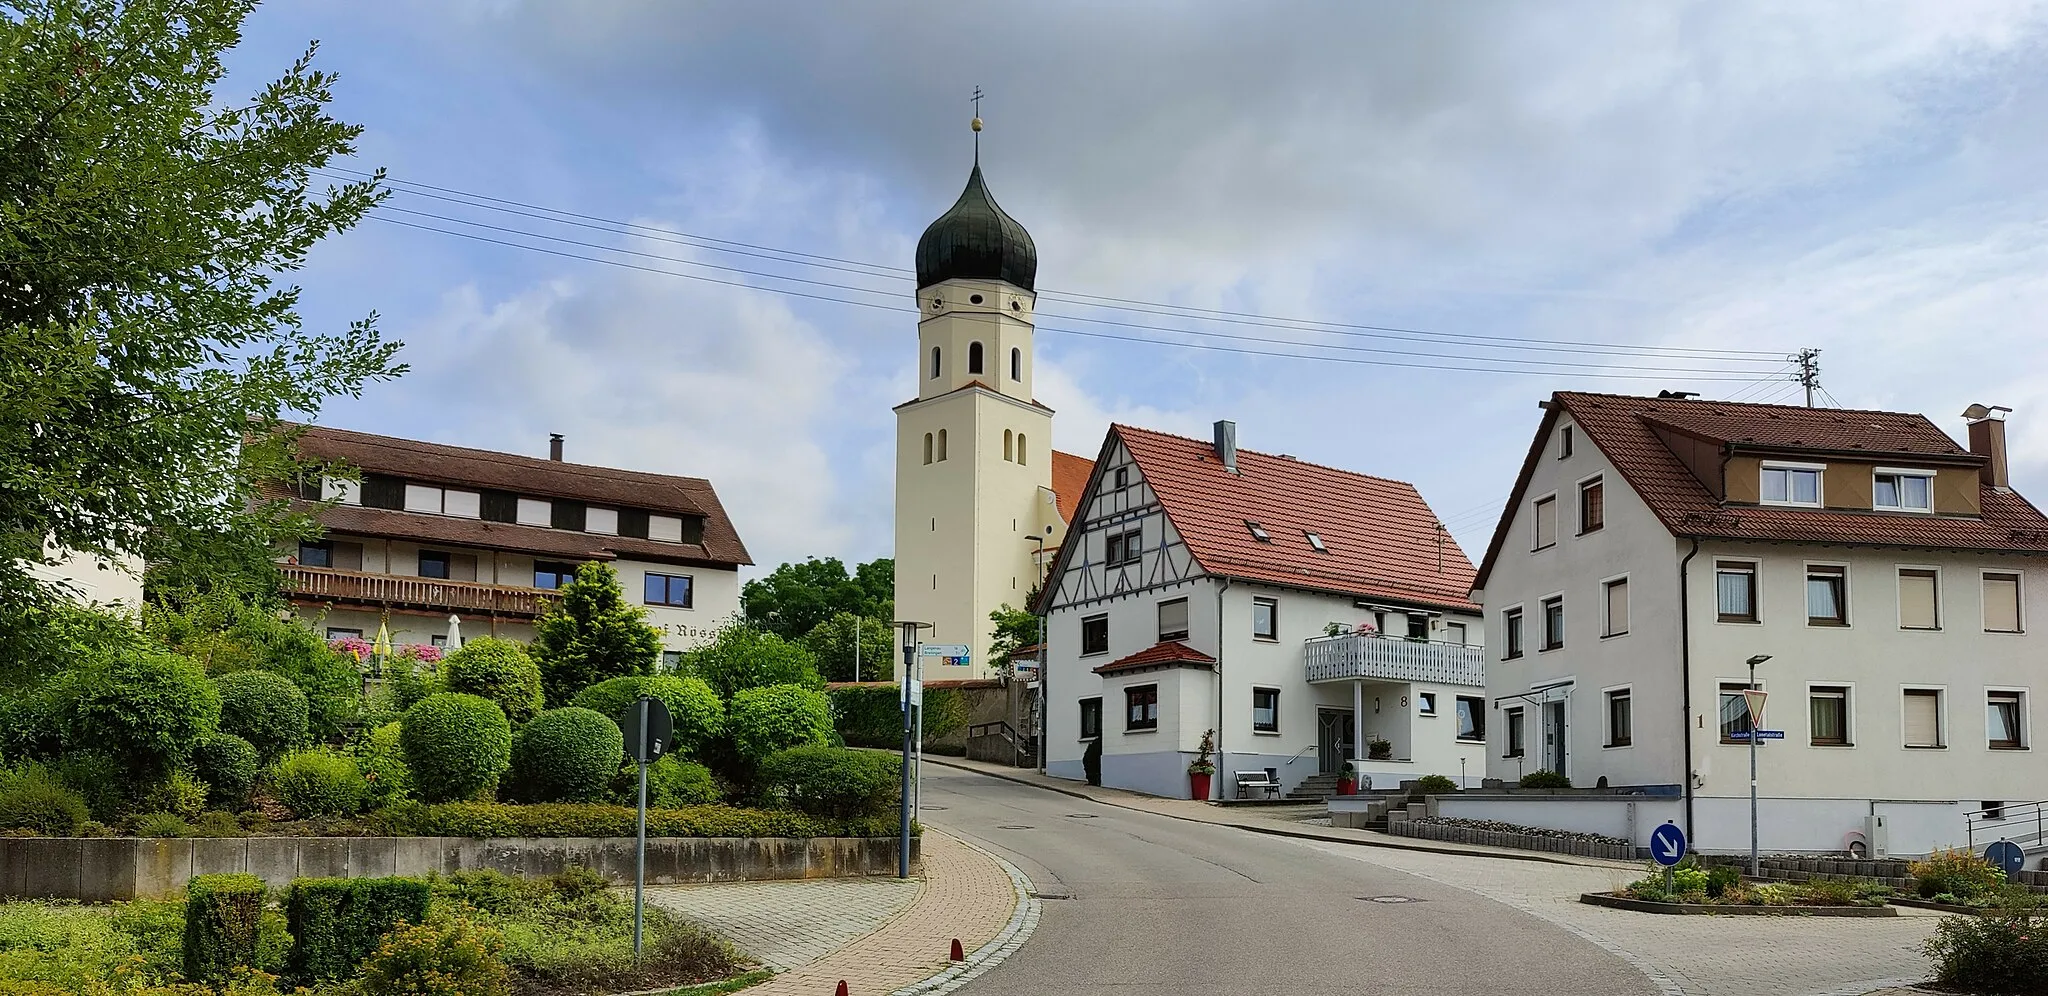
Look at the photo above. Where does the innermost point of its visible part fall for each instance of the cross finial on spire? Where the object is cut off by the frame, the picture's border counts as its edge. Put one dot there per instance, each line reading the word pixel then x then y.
pixel 976 125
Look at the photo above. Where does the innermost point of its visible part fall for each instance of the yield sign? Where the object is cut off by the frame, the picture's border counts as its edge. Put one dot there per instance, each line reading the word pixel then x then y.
pixel 1754 697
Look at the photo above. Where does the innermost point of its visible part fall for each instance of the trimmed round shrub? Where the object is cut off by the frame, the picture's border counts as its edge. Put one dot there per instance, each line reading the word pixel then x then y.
pixel 449 958
pixel 265 709
pixel 1435 784
pixel 216 823
pixel 696 709
pixel 148 708
pixel 456 745
pixel 498 670
pixel 833 781
pixel 33 799
pixel 566 755
pixel 673 783
pixel 1545 779
pixel 382 759
pixel 162 825
pixel 316 783
pixel 180 794
pixel 228 765
pixel 777 717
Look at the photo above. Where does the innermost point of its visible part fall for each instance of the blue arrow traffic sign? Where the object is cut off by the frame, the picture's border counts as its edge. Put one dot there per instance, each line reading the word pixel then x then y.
pixel 2008 856
pixel 1667 844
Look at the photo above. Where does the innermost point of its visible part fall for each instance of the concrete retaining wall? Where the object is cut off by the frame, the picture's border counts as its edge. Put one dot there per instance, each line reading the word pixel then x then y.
pixel 110 868
pixel 1526 842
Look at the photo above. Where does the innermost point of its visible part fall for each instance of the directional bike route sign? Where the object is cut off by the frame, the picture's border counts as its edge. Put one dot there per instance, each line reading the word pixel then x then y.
pixel 1667 844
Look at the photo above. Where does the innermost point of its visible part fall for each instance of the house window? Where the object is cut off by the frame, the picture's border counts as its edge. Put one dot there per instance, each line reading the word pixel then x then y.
pixel 935 363
pixel 1425 703
pixel 1827 708
pixel 1091 718
pixel 1258 531
pixel 1514 739
pixel 1016 364
pixel 2004 717
pixel 1592 507
pixel 974 357
pixel 1023 448
pixel 1923 717
pixel 422 498
pixel 1265 710
pixel 1454 633
pixel 438 639
pixel 1173 619
pixel 942 445
pixel 927 447
pixel 1315 542
pixel 671 661
pixel 1903 492
pixel 604 521
pixel 1511 624
pixel 1791 485
pixel 1621 730
pixel 1553 622
pixel 1617 608
pixel 1122 477
pixel 1564 442
pixel 668 589
pixel 434 564
pixel 2001 603
pixel 340 633
pixel 464 504
pixel 1919 601
pixel 1265 618
pixel 319 554
pixel 1827 596
pixel 1141 708
pixel 1124 547
pixel 551 574
pixel 1418 627
pixel 1095 635
pixel 1546 522
pixel 1471 719
pixel 534 512
pixel 1735 590
pixel 1734 711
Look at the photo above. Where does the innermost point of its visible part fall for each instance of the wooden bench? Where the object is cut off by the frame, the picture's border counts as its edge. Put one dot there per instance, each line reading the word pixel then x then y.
pixel 1249 780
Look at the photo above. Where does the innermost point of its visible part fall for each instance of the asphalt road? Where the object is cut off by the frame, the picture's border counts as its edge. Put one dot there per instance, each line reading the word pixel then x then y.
pixel 1137 904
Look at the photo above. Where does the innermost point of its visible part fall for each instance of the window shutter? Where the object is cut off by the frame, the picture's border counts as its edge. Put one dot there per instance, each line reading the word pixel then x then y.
pixel 2002 604
pixel 1546 522
pixel 1923 719
pixel 1617 608
pixel 1916 600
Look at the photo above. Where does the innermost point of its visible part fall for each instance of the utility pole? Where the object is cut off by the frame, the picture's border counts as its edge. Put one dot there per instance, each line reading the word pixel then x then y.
pixel 1809 372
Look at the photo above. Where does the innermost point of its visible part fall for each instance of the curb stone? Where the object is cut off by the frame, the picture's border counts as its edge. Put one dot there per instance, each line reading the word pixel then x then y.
pixel 1023 921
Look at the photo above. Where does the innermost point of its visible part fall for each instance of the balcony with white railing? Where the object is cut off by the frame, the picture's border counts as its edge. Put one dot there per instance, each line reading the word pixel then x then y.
pixel 1372 657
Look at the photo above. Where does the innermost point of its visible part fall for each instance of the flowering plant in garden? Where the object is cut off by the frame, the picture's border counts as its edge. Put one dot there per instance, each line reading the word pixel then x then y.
pixel 425 653
pixel 354 646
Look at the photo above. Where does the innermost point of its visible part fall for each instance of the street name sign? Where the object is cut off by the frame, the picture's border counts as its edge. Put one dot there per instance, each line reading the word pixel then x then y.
pixel 1760 734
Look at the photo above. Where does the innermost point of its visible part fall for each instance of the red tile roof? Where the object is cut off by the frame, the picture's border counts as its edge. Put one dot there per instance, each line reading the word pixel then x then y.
pixel 1070 473
pixel 1621 426
pixel 1383 540
pixel 1163 654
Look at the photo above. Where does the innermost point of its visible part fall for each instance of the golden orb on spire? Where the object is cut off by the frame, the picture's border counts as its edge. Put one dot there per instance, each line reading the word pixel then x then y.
pixel 975 124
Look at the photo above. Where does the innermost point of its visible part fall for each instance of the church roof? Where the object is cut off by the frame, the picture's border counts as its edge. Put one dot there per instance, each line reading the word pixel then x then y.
pixel 1070 473
pixel 977 240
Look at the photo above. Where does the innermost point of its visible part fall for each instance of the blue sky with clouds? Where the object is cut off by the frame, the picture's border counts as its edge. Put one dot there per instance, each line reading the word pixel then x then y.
pixel 1859 178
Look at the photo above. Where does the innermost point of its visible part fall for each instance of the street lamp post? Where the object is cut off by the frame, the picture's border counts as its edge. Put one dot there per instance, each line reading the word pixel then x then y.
pixel 912 697
pixel 1756 722
pixel 1044 658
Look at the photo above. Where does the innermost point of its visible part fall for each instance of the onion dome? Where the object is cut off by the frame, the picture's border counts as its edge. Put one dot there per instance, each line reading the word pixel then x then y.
pixel 975 239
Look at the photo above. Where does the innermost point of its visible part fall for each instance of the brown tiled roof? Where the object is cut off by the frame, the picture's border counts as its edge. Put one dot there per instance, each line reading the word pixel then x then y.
pixel 1621 426
pixel 1070 473
pixel 539 541
pixel 1161 654
pixel 459 466
pixel 1383 539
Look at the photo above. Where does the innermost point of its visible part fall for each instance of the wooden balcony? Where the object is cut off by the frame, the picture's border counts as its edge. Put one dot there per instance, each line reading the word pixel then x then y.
pixel 1378 658
pixel 321 584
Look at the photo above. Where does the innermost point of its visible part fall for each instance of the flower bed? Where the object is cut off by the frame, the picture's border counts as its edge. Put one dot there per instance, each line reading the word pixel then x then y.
pixel 1690 888
pixel 1623 901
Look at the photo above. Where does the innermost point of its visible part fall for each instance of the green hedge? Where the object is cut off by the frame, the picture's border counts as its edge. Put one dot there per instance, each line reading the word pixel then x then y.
pixel 834 781
pixel 673 782
pixel 870 716
pixel 777 717
pixel 228 765
pixel 499 670
pixel 695 708
pixel 223 918
pixel 315 783
pixel 491 819
pixel 33 799
pixel 265 709
pixel 336 922
pixel 456 745
pixel 566 755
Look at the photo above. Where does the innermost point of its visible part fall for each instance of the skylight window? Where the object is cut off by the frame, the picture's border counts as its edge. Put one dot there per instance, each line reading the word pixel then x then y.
pixel 1258 531
pixel 1316 542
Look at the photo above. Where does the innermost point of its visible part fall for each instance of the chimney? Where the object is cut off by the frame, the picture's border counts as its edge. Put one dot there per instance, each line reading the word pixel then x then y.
pixel 555 446
pixel 1226 444
pixel 1987 439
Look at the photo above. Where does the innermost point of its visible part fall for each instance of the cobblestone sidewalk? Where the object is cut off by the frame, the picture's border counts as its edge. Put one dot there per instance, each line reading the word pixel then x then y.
pixel 878 934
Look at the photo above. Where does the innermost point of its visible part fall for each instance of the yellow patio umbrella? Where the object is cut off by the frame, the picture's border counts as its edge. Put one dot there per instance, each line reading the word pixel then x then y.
pixel 382 646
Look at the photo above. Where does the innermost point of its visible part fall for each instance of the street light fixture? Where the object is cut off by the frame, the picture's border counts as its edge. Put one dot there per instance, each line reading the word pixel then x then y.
pixel 911 686
pixel 1756 722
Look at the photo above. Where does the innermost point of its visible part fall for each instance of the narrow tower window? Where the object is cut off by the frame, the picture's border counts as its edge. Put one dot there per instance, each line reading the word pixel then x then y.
pixel 974 357
pixel 1020 447
pixel 1016 363
pixel 935 363
pixel 927 447
pixel 1007 443
pixel 942 444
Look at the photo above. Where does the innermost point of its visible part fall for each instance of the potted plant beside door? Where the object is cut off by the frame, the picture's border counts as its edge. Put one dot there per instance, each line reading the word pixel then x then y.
pixel 1201 769
pixel 1347 780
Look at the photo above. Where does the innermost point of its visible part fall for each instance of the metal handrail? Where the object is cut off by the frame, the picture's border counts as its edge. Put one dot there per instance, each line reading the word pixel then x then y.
pixel 1981 821
pixel 1317 748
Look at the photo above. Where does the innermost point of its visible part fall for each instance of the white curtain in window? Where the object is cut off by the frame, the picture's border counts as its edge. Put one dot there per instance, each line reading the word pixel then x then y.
pixel 1734 593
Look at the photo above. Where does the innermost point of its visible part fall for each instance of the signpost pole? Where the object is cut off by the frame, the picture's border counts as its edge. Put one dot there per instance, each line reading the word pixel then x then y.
pixel 640 843
pixel 917 725
pixel 903 841
pixel 1753 700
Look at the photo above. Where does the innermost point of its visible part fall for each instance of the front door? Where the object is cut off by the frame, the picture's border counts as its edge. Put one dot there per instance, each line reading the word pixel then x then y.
pixel 1554 736
pixel 1336 740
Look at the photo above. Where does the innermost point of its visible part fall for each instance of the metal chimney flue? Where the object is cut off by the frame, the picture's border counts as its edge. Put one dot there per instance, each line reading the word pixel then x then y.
pixel 1987 439
pixel 1226 444
pixel 555 446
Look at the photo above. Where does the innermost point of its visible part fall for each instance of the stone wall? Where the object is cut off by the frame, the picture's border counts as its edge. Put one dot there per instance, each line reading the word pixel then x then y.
pixel 1889 871
pixel 1527 842
pixel 110 868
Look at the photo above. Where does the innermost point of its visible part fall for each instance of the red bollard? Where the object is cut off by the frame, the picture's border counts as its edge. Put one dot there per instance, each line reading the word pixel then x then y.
pixel 841 991
pixel 957 954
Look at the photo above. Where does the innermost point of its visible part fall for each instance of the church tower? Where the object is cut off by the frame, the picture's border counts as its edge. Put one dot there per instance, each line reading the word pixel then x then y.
pixel 974 450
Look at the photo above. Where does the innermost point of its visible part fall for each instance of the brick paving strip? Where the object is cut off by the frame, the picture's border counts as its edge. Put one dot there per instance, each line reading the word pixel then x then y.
pixel 882 936
pixel 1683 956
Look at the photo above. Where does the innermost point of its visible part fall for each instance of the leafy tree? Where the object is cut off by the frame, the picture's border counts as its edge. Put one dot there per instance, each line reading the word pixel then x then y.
pixel 741 657
pixel 832 643
pixel 591 633
pixel 1014 628
pixel 794 598
pixel 149 708
pixel 148 353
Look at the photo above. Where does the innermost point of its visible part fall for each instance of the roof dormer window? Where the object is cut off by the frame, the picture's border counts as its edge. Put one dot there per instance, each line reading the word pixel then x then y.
pixel 1790 484
pixel 1903 491
pixel 1258 531
pixel 1316 542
